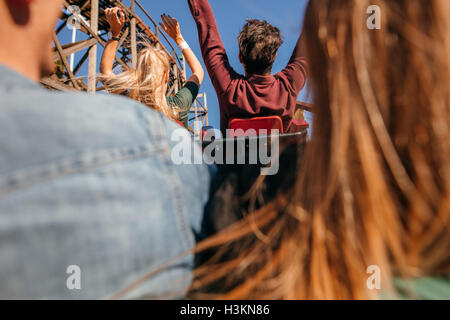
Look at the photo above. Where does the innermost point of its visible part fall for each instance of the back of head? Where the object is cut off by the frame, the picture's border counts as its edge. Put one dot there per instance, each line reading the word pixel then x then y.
pixel 379 160
pixel 26 29
pixel 374 187
pixel 377 173
pixel 259 42
pixel 148 82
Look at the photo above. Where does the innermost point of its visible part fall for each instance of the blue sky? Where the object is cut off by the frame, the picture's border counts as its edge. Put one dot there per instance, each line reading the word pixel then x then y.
pixel 230 15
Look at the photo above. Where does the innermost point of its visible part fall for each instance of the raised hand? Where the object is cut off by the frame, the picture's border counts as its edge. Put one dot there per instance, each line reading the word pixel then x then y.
pixel 172 28
pixel 116 20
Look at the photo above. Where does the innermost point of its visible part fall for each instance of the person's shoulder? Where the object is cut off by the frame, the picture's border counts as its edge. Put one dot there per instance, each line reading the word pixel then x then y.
pixel 107 107
pixel 133 117
pixel 425 288
pixel 191 85
pixel 77 115
pixel 280 76
pixel 186 94
pixel 238 81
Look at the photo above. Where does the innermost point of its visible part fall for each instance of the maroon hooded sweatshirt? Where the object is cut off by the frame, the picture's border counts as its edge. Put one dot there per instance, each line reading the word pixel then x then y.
pixel 251 96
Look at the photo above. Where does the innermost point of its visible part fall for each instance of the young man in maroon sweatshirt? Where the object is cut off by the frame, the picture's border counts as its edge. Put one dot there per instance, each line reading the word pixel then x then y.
pixel 258 93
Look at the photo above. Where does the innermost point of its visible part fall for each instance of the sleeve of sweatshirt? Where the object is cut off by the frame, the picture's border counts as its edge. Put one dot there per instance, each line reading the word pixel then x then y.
pixel 213 51
pixel 296 72
pixel 297 69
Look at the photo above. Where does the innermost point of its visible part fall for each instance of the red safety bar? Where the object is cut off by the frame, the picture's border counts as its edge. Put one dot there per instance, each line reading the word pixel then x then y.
pixel 245 127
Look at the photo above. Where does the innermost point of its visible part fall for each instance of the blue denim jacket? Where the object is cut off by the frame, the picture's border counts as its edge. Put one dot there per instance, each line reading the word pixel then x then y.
pixel 88 181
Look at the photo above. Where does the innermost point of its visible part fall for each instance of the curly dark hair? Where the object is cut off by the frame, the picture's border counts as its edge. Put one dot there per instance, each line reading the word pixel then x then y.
pixel 259 42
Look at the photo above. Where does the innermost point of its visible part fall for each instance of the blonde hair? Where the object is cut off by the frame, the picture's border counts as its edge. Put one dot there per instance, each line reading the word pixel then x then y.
pixel 374 185
pixel 146 83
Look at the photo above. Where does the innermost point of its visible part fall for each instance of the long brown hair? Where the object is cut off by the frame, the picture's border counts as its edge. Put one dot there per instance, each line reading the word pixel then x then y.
pixel 374 184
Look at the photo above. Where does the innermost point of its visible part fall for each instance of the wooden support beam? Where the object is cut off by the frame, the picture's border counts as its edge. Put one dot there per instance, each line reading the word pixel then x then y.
pixel 176 75
pixel 305 106
pixel 78 46
pixel 90 31
pixel 64 61
pixel 124 37
pixel 171 91
pixel 56 84
pixel 63 24
pixel 81 62
pixel 92 66
pixel 133 35
pixel 94 21
pixel 155 24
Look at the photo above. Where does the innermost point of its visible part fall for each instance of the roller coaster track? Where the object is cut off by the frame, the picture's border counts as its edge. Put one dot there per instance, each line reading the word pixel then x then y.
pixel 91 22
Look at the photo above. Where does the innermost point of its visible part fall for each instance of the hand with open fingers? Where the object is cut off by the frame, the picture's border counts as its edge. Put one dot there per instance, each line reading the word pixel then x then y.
pixel 116 20
pixel 172 28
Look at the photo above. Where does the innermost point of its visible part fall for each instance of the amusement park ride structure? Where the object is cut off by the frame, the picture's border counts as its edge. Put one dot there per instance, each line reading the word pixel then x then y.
pixel 87 16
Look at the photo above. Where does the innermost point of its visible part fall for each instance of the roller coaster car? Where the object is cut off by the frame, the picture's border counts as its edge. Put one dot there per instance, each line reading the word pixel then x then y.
pixel 249 139
pixel 255 130
pixel 253 126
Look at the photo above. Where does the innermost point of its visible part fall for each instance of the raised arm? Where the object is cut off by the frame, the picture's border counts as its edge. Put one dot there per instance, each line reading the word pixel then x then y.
pixel 296 70
pixel 299 51
pixel 172 28
pixel 213 51
pixel 109 53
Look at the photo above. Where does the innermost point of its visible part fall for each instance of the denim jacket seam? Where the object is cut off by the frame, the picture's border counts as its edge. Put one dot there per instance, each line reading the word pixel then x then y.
pixel 83 162
pixel 175 185
pixel 180 212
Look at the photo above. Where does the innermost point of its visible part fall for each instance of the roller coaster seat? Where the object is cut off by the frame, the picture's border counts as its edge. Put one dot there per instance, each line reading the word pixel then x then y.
pixel 241 127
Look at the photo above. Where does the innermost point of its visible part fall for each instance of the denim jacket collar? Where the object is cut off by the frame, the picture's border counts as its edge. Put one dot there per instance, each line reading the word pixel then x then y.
pixel 10 79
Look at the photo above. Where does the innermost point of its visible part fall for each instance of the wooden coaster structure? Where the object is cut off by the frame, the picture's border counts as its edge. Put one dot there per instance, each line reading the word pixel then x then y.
pixel 89 18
